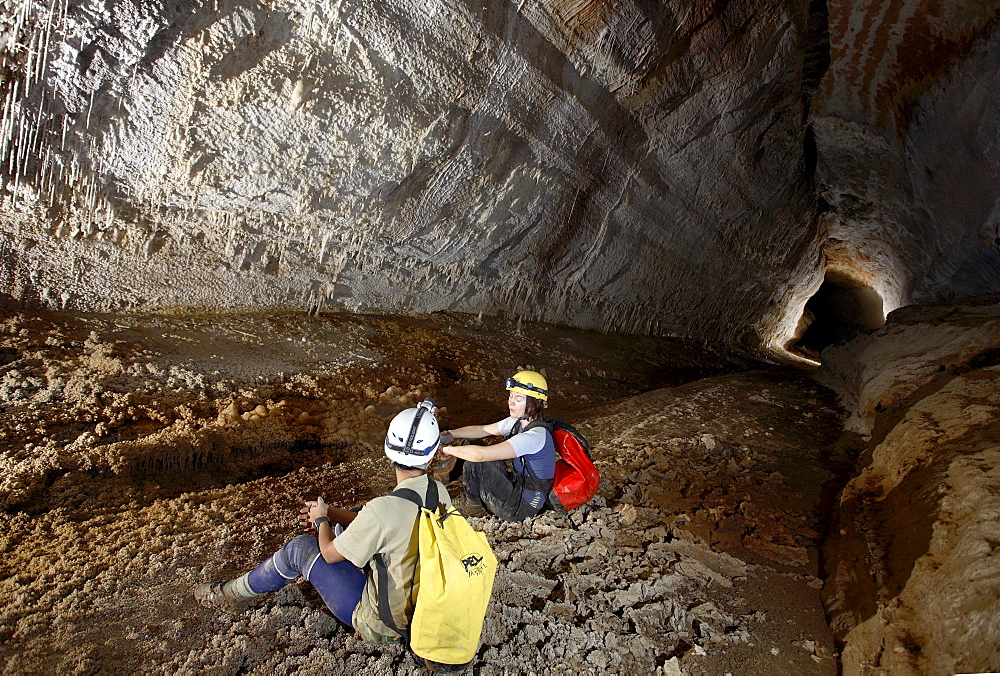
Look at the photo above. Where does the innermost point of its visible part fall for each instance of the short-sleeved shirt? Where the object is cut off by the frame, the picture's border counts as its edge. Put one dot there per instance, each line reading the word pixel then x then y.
pixel 387 526
pixel 535 448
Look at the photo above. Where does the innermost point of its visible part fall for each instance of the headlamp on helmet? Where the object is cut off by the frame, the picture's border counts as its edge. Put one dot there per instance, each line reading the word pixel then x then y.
pixel 530 384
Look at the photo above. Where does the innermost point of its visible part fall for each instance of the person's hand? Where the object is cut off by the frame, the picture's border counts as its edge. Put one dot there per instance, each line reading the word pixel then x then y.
pixel 304 519
pixel 318 508
pixel 447 450
pixel 447 437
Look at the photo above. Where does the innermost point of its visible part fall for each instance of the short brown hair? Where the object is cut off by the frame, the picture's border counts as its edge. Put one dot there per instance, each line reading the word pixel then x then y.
pixel 533 408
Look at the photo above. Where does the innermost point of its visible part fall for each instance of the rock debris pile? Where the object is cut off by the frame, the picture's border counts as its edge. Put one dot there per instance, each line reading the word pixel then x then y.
pixel 607 589
pixel 614 586
pixel 123 491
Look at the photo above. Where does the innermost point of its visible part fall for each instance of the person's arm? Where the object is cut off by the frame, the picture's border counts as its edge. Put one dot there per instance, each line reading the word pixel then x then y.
pixel 342 516
pixel 472 432
pixel 324 533
pixel 501 451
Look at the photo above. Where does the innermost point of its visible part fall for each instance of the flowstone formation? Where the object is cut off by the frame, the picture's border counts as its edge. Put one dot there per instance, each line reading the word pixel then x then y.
pixel 912 562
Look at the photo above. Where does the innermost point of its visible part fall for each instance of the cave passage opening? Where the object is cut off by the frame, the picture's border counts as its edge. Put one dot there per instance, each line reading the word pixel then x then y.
pixel 840 309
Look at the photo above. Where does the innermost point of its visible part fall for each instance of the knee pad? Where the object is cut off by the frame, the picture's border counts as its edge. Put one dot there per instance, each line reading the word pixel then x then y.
pixel 285 565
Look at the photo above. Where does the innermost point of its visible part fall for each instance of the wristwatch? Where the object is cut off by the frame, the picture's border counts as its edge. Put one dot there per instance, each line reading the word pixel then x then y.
pixel 317 522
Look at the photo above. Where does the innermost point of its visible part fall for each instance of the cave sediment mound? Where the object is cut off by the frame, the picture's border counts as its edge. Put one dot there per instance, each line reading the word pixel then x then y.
pixel 912 561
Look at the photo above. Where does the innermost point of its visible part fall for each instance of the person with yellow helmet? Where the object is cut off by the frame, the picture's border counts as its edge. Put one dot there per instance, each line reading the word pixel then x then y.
pixel 517 493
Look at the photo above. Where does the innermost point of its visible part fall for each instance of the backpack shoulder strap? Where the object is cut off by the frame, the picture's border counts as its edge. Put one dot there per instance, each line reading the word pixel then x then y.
pixel 408 494
pixel 536 483
pixel 547 423
pixel 382 571
pixel 553 424
pixel 384 611
pixel 431 499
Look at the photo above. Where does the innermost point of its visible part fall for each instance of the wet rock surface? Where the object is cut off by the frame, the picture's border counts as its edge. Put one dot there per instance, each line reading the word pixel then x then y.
pixel 698 555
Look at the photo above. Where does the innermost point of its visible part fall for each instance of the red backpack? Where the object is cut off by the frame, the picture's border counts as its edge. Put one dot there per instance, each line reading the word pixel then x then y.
pixel 576 478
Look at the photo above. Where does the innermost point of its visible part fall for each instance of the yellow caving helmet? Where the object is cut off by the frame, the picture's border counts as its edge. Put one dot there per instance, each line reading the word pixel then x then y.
pixel 529 383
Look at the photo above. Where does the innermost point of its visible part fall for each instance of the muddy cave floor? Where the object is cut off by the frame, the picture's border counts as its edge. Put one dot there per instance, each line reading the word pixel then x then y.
pixel 143 455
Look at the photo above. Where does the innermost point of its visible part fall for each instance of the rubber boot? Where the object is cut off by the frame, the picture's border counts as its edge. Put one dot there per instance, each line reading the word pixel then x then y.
pixel 224 594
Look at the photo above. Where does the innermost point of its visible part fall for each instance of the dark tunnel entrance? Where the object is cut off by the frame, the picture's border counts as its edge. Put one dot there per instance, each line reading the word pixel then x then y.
pixel 840 309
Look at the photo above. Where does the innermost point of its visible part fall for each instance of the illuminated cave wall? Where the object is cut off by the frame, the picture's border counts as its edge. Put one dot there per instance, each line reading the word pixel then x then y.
pixel 609 165
pixel 907 134
pixel 675 168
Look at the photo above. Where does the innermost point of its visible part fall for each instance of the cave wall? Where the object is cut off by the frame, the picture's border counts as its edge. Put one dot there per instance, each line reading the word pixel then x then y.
pixel 609 165
pixel 912 566
pixel 673 168
pixel 907 134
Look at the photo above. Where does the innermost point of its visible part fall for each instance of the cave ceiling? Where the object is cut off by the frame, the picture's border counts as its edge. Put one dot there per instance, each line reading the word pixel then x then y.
pixel 678 168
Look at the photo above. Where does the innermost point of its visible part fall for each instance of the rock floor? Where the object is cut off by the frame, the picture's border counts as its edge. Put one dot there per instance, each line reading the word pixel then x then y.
pixel 142 456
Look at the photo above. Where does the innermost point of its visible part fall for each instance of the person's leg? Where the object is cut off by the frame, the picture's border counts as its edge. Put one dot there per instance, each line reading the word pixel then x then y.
pixel 271 575
pixel 284 566
pixel 476 476
pixel 339 584
pixel 492 485
pixel 510 506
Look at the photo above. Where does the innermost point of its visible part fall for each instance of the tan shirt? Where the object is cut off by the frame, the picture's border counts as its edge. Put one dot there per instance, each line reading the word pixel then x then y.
pixel 387 526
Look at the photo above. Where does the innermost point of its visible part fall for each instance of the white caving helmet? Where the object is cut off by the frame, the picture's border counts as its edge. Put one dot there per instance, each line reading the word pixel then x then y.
pixel 414 436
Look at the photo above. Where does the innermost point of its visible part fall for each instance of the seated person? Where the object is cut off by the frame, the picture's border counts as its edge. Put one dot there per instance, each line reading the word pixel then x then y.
pixel 517 493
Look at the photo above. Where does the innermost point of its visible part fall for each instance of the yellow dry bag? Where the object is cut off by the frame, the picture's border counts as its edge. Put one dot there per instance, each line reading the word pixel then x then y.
pixel 454 577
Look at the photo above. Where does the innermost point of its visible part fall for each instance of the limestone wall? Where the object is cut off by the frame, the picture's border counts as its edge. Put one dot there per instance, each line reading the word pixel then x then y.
pixel 912 562
pixel 664 167
pixel 609 165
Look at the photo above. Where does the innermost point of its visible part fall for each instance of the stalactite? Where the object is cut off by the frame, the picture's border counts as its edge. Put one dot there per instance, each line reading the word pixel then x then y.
pixel 10 123
pixel 45 47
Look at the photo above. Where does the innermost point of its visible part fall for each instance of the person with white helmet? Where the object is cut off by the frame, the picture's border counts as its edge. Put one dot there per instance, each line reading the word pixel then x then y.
pixel 517 493
pixel 332 559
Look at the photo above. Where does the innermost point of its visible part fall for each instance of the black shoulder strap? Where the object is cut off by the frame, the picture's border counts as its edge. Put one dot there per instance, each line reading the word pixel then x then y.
pixel 431 499
pixel 384 611
pixel 408 494
pixel 547 423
